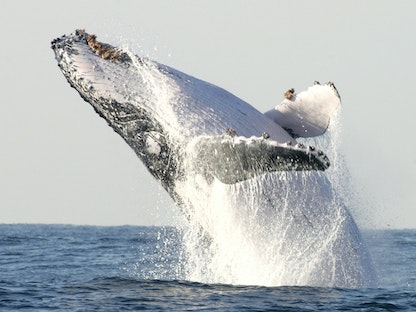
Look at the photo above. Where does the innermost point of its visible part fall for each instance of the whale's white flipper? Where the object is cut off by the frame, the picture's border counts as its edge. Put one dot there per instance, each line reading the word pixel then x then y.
pixel 308 113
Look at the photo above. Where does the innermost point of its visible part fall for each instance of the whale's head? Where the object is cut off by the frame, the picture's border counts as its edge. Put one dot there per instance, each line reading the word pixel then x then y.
pixel 105 76
pixel 108 78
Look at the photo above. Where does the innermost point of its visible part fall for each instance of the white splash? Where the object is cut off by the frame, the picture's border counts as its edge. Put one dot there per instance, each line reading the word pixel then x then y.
pixel 284 228
pixel 287 228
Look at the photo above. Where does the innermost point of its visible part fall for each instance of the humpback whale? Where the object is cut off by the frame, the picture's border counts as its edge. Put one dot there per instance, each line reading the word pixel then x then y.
pixel 232 170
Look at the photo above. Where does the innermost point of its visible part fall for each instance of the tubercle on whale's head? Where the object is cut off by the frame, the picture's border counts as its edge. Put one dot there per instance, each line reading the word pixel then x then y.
pixel 105 50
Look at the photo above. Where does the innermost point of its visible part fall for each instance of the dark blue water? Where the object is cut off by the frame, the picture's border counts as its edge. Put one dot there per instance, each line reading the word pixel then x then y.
pixel 86 268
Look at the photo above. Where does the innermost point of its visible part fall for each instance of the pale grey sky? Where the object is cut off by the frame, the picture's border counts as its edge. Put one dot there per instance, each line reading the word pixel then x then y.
pixel 61 163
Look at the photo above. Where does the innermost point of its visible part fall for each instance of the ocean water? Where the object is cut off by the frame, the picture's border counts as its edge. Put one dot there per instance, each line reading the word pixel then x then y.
pixel 89 268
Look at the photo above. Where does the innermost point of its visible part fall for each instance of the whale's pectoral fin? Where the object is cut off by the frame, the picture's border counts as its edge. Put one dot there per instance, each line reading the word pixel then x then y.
pixel 308 113
pixel 235 159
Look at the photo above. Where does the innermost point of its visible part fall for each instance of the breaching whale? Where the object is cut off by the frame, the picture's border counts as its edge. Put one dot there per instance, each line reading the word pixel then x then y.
pixel 217 156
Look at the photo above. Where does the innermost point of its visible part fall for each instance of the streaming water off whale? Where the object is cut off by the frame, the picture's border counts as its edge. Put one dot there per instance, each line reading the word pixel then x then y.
pixel 284 228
